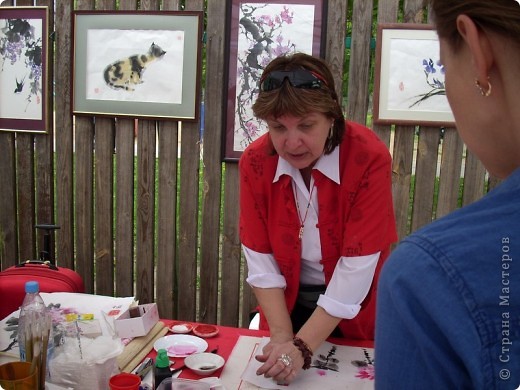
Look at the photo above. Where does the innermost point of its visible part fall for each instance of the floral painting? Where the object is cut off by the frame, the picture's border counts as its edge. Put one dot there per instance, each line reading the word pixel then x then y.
pixel 263 31
pixel 333 367
pixel 410 87
pixel 22 64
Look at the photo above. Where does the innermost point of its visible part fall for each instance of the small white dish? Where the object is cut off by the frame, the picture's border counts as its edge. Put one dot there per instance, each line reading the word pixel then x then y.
pixel 205 363
pixel 181 345
pixel 181 328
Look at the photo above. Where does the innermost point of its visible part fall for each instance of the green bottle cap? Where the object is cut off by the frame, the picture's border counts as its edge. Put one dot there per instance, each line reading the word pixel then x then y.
pixel 162 360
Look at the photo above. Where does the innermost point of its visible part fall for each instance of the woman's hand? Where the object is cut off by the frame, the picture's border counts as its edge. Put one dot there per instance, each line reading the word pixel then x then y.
pixel 282 361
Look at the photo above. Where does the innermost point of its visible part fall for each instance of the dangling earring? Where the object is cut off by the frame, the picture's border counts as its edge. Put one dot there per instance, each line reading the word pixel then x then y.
pixel 483 92
pixel 331 131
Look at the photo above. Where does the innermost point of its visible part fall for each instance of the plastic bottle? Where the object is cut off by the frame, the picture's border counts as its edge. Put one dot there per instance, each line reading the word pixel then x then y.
pixel 34 320
pixel 162 367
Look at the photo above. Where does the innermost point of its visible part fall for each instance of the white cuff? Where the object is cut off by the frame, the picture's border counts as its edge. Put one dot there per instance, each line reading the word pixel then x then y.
pixel 263 271
pixel 337 309
pixel 267 281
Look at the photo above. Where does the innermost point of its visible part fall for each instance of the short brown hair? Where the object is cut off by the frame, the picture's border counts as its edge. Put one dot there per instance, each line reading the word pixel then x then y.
pixel 499 16
pixel 299 101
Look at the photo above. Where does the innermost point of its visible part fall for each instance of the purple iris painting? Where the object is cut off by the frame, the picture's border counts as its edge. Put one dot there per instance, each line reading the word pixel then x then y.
pixel 265 31
pixel 434 78
pixel 410 81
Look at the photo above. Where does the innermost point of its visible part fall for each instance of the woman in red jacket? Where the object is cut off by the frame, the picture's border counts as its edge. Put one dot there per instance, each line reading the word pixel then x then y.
pixel 316 215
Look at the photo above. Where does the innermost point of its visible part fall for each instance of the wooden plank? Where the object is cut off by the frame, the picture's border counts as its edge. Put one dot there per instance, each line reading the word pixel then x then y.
pixel 25 192
pixel 104 189
pixel 8 236
pixel 401 176
pixel 64 137
pixel 104 209
pixel 167 215
pixel 84 189
pixel 386 13
pixel 493 182
pixel 124 236
pixel 44 148
pixel 357 104
pixel 25 186
pixel 335 44
pixel 231 251
pixel 211 192
pixel 124 193
pixel 146 199
pixel 449 181
pixel 188 223
pixel 188 235
pixel 403 148
pixel 249 302
pixel 145 211
pixel 230 285
pixel 425 175
pixel 84 184
pixel 474 179
pixel 166 283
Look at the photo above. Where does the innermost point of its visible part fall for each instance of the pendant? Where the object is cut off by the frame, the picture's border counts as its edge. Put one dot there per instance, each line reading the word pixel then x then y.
pixel 301 232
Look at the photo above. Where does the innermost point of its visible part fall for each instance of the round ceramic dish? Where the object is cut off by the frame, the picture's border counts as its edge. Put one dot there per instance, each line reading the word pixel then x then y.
pixel 205 363
pixel 204 330
pixel 181 345
pixel 181 327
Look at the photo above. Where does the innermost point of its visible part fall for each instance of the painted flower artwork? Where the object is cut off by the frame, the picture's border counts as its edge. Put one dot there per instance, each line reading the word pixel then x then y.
pixel 365 368
pixel 266 31
pixel 434 78
pixel 412 79
pixel 21 66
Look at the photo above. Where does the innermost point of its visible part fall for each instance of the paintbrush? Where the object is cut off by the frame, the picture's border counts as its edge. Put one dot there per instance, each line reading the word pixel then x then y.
pixel 35 361
pixel 45 343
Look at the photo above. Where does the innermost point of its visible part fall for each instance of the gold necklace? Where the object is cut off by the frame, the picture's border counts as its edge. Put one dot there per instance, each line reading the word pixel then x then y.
pixel 302 221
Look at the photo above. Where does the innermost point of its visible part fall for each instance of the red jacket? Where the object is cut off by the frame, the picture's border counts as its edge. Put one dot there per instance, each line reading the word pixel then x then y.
pixel 355 217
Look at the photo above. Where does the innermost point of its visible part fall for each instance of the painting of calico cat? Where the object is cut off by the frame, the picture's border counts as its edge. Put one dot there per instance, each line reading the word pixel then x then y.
pixel 125 73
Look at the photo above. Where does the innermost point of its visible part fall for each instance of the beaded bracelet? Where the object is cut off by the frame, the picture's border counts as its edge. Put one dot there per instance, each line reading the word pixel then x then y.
pixel 305 350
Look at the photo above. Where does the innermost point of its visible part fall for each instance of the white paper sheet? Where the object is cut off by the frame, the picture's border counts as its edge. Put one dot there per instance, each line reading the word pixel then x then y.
pixel 68 302
pixel 354 365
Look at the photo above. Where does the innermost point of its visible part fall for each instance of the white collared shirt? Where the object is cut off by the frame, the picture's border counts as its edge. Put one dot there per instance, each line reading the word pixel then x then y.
pixel 352 276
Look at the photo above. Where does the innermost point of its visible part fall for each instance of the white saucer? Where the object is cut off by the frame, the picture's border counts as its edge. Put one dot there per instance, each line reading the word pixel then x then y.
pixel 181 345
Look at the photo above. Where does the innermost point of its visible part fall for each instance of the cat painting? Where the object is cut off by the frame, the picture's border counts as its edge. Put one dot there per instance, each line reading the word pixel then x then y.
pixel 128 72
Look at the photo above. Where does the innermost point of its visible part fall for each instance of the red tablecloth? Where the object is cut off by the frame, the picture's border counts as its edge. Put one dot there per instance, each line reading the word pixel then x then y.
pixel 226 339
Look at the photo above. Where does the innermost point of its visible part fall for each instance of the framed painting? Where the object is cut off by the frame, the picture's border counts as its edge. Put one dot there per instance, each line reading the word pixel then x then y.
pixel 23 69
pixel 409 86
pixel 260 31
pixel 137 64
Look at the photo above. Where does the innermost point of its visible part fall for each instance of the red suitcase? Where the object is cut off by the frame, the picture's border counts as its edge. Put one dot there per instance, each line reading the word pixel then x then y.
pixel 50 277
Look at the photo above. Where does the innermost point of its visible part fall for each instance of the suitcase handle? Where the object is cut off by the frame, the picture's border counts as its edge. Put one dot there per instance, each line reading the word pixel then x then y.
pixel 38 262
pixel 45 254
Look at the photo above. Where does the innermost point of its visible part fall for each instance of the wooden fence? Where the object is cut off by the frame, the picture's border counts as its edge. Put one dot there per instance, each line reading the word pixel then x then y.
pixel 132 237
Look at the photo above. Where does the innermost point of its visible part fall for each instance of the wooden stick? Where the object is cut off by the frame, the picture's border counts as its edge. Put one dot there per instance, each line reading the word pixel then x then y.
pixel 35 361
pixel 139 347
pixel 43 360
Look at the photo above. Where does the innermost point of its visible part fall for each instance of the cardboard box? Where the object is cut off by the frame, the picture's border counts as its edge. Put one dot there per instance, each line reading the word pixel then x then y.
pixel 137 321
pixel 112 313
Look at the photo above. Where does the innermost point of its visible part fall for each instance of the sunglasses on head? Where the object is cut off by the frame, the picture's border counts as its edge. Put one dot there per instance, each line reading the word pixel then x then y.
pixel 299 78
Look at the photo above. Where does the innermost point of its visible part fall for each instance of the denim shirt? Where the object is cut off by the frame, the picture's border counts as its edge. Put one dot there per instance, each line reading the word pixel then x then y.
pixel 448 312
